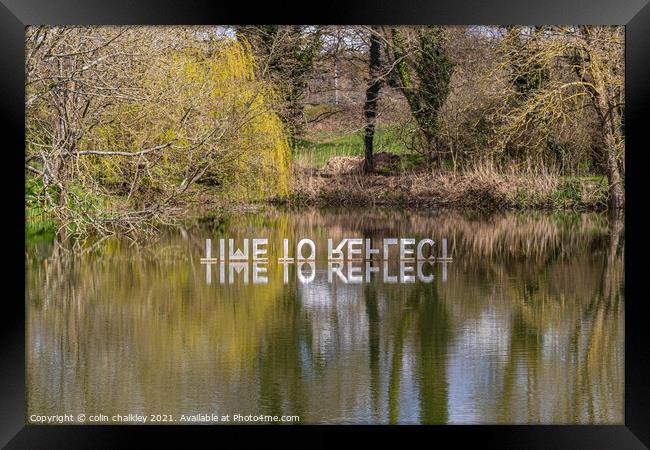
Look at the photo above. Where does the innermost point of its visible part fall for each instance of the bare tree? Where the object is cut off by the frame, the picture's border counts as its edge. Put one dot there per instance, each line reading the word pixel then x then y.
pixel 589 74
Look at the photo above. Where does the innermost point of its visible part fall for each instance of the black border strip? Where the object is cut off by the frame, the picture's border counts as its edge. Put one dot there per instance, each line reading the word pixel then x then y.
pixel 16 14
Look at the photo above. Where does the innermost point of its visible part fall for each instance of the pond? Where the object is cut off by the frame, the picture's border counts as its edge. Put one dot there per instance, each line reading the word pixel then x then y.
pixel 525 323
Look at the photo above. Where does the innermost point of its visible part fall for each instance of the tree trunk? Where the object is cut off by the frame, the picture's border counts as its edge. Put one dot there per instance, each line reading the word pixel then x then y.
pixel 613 140
pixel 432 151
pixel 372 92
pixel 613 137
pixel 616 191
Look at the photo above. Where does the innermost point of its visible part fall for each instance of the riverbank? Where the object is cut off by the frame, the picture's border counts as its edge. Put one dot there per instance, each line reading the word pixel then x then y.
pixel 340 183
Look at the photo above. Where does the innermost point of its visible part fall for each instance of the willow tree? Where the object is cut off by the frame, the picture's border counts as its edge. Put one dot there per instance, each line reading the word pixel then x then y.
pixel 588 74
pixel 122 124
pixel 424 71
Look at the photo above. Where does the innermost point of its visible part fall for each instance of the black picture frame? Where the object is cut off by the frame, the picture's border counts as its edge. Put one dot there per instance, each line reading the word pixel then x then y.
pixel 15 15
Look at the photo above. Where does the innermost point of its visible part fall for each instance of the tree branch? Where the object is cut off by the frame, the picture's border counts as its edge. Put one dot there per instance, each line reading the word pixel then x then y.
pixel 118 153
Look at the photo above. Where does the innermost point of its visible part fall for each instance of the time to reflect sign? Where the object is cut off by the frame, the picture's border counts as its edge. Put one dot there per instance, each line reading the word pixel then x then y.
pixel 349 260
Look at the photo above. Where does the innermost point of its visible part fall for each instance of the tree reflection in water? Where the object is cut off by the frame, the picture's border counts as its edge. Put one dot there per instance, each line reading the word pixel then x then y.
pixel 527 328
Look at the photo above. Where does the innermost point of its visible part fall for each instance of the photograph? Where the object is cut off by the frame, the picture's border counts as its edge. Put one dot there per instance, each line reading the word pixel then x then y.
pixel 325 224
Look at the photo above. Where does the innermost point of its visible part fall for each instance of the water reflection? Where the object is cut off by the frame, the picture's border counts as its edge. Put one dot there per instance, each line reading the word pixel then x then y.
pixel 527 326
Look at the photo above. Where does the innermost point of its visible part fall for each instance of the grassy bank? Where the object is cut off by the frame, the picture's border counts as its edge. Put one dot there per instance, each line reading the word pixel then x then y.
pixel 327 171
pixel 479 188
pixel 318 148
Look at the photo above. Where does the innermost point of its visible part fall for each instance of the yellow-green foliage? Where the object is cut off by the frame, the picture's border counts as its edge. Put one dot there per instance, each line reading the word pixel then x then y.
pixel 219 117
pixel 248 152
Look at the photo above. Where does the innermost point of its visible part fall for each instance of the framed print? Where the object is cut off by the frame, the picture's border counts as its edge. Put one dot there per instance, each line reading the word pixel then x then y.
pixel 419 219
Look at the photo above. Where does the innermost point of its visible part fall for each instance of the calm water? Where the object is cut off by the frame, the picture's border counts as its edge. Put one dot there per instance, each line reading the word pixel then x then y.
pixel 525 325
